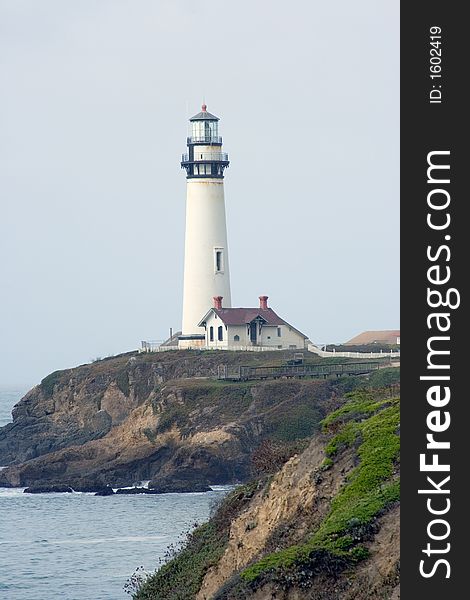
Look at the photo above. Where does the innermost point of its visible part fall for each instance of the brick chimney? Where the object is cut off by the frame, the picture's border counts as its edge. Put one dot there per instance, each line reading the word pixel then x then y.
pixel 217 302
pixel 263 302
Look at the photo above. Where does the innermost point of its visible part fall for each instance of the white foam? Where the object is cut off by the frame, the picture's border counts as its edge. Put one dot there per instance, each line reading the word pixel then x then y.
pixel 11 492
pixel 222 488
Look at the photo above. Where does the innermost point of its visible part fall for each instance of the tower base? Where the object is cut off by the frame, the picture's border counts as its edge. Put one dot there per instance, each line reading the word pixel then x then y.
pixel 195 341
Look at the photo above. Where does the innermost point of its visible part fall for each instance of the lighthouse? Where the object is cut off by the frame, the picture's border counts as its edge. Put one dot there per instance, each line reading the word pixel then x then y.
pixel 206 265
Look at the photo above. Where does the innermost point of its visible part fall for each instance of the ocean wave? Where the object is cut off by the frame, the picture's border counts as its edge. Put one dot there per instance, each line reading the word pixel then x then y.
pixel 113 540
pixel 10 492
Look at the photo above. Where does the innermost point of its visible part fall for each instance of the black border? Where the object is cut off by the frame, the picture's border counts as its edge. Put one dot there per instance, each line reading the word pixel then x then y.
pixel 426 127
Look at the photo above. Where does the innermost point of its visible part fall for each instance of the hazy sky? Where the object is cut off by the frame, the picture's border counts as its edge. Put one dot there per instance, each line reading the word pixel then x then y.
pixel 94 101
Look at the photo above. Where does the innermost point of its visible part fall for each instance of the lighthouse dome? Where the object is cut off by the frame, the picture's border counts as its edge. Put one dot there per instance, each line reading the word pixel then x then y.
pixel 204 115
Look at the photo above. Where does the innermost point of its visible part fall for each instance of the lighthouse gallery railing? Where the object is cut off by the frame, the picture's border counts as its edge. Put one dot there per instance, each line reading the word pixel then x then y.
pixel 206 157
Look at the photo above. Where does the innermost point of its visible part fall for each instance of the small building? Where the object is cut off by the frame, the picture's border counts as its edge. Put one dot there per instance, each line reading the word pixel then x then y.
pixel 389 336
pixel 245 328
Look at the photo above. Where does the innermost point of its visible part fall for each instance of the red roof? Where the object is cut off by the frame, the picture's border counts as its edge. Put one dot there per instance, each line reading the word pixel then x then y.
pixel 242 316
pixel 388 336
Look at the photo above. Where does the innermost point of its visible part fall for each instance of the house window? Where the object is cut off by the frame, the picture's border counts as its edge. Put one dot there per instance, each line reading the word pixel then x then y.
pixel 278 332
pixel 220 333
pixel 211 334
pixel 236 338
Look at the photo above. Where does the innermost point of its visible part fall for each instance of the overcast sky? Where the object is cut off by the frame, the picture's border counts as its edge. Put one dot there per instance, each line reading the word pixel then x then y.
pixel 94 101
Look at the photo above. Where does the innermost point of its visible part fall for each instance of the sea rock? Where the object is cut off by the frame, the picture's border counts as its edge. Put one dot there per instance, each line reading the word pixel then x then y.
pixel 106 491
pixel 134 490
pixel 48 489
pixel 87 485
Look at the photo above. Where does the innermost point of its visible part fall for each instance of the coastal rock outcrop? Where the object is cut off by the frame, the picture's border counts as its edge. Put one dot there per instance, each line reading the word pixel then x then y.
pixel 53 488
pixel 162 417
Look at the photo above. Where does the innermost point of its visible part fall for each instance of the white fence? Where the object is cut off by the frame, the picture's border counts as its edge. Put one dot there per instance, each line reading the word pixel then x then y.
pixel 157 346
pixel 327 354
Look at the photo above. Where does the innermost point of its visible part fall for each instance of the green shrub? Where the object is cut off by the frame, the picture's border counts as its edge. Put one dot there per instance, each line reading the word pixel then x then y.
pixel 360 404
pixel 385 377
pixel 326 464
pixel 343 439
pixel 181 578
pixel 296 422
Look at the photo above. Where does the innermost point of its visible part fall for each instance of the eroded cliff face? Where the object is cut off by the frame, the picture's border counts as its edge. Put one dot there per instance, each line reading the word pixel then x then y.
pixel 292 500
pixel 162 416
pixel 324 526
pixel 293 504
pixel 74 406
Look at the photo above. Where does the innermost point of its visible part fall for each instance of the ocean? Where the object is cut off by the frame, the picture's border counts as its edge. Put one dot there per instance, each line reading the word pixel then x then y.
pixel 84 547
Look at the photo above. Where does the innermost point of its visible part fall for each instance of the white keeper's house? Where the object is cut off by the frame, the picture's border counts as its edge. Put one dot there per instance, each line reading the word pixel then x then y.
pixel 245 328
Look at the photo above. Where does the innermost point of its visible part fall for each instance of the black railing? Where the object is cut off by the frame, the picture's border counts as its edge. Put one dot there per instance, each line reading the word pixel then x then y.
pixel 206 157
pixel 204 139
pixel 328 370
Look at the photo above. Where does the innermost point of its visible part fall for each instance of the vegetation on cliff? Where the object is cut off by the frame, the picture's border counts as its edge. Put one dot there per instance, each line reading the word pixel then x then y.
pixel 358 451
pixel 181 578
pixel 370 489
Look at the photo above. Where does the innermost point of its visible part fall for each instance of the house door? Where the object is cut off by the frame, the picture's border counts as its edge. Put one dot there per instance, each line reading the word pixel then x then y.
pixel 253 332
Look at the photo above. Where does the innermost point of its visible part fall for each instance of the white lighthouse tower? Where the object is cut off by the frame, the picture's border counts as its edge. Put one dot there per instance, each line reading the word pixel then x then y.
pixel 206 267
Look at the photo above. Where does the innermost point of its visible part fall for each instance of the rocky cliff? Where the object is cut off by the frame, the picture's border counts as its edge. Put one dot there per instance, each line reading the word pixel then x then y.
pixel 156 416
pixel 324 526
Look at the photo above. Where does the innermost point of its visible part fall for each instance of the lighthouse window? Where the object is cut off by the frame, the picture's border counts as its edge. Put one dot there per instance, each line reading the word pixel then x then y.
pixel 204 131
pixel 218 260
pixel 211 334
pixel 236 338
pixel 220 333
